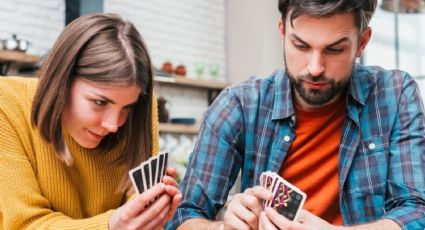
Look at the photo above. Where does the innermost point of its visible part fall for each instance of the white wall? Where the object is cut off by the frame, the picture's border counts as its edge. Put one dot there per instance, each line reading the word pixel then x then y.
pixel 381 49
pixel 40 22
pixel 253 43
pixel 183 32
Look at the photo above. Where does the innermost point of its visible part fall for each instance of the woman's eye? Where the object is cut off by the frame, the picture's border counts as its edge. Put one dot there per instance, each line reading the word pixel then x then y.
pixel 100 102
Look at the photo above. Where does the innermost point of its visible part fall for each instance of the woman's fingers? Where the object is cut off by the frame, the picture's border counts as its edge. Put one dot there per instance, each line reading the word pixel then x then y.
pixel 171 172
pixel 156 215
pixel 169 181
pixel 174 204
pixel 142 200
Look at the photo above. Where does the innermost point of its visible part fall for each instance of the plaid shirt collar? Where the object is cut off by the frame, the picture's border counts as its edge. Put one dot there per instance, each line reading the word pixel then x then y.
pixel 359 88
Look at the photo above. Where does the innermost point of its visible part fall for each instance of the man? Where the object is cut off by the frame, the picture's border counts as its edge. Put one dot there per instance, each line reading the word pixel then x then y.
pixel 351 137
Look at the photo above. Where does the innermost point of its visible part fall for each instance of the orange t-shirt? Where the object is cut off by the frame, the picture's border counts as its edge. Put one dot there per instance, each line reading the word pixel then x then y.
pixel 312 160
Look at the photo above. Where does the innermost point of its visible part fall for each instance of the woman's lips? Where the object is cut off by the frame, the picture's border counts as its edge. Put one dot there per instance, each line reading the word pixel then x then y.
pixel 95 136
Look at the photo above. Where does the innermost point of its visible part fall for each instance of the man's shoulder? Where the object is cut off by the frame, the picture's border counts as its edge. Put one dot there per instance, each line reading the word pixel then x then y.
pixel 369 78
pixel 380 75
pixel 256 85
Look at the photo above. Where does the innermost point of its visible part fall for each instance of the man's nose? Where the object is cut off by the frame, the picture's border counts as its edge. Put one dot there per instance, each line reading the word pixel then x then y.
pixel 316 66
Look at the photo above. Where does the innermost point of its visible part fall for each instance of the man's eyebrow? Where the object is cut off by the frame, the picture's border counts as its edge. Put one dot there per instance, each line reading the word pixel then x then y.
pixel 341 40
pixel 299 39
pixel 344 39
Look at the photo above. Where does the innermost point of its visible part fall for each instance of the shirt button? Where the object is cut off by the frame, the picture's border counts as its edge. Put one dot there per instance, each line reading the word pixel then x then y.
pixel 371 146
pixel 287 138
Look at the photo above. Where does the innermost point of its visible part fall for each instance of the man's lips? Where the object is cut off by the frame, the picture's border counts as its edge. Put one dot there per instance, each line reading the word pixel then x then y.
pixel 315 85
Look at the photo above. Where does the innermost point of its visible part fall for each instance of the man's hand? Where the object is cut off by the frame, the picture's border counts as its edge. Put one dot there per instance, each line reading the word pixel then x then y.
pixel 270 219
pixel 244 209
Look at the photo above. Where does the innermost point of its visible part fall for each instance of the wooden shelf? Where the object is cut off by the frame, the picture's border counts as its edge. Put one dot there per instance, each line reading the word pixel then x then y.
pixel 184 81
pixel 178 128
pixel 18 57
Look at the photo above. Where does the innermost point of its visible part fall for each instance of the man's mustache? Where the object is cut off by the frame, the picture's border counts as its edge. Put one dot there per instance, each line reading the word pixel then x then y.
pixel 309 77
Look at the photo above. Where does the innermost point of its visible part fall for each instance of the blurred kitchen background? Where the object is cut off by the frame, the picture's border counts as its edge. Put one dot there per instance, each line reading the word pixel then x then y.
pixel 200 47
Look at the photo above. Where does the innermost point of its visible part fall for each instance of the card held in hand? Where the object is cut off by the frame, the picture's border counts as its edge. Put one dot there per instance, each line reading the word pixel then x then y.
pixel 149 172
pixel 288 200
pixel 136 178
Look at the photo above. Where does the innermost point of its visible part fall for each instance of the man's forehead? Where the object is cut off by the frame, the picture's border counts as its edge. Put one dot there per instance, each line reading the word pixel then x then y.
pixel 327 30
pixel 348 16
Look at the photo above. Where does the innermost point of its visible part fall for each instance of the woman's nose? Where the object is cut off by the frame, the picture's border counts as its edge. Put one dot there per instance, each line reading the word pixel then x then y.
pixel 111 122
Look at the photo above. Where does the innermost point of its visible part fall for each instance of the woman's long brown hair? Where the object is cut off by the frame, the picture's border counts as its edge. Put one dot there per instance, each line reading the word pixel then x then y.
pixel 101 48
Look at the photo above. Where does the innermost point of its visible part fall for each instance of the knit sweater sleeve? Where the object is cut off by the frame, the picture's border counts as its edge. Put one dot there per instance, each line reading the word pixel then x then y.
pixel 22 203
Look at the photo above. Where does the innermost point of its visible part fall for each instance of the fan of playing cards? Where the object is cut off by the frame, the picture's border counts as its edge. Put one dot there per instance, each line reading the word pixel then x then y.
pixel 149 172
pixel 287 200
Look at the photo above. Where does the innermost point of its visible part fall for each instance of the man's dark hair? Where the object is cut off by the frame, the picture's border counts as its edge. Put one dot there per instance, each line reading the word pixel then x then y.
pixel 362 10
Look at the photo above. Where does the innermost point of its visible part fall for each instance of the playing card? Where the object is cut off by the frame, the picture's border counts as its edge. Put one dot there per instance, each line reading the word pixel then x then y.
pixel 136 178
pixel 154 171
pixel 146 171
pixel 270 184
pixel 165 165
pixel 161 157
pixel 149 172
pixel 288 199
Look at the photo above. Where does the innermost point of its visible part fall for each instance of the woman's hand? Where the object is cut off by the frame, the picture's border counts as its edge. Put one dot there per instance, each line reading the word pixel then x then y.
pixel 138 214
pixel 151 209
pixel 172 190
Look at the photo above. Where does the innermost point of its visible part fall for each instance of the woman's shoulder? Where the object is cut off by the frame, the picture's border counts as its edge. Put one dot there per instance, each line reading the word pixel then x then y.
pixel 16 95
pixel 15 89
pixel 18 85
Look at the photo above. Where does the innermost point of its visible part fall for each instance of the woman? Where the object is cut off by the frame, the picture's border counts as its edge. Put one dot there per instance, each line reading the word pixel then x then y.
pixel 68 139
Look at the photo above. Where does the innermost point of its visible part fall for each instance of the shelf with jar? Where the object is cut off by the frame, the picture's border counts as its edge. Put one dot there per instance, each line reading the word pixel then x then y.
pixel 213 88
pixel 178 128
pixel 9 57
pixel 187 82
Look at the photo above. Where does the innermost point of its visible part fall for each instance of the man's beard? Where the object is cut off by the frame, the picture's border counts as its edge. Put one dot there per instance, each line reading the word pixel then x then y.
pixel 315 96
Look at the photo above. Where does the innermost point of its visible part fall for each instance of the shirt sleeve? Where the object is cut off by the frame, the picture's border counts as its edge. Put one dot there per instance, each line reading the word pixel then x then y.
pixel 22 203
pixel 405 203
pixel 215 162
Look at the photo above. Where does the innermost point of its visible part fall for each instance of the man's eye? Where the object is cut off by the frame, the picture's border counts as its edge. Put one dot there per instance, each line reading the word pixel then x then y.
pixel 300 46
pixel 335 50
pixel 100 102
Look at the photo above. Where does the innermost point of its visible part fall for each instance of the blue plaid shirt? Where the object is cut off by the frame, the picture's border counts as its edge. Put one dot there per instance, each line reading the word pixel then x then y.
pixel 381 166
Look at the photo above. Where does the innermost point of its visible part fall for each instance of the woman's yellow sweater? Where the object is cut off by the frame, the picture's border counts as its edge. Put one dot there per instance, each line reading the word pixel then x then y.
pixel 38 191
